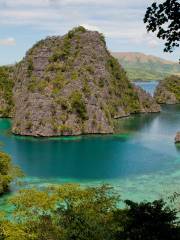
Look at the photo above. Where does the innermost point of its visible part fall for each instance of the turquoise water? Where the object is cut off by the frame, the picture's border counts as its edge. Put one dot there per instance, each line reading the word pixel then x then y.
pixel 141 161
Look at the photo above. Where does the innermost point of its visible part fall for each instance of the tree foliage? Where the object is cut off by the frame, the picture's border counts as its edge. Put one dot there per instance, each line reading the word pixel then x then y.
pixel 72 212
pixel 8 172
pixel 147 221
pixel 164 18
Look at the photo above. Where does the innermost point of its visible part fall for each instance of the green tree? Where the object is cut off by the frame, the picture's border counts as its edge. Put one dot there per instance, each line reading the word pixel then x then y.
pixel 164 18
pixel 147 221
pixel 8 172
pixel 67 212
pixel 72 212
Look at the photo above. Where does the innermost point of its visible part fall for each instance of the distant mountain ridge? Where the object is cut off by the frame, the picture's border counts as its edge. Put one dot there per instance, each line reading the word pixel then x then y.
pixel 140 66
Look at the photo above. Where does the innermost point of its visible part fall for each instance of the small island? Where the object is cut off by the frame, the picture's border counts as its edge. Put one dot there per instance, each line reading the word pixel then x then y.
pixel 72 85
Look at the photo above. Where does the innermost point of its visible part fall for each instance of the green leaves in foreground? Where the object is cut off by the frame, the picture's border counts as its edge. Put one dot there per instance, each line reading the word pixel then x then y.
pixel 72 212
pixel 66 212
pixel 8 172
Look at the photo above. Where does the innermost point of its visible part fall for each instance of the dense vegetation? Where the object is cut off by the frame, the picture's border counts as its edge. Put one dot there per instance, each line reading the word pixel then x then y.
pixel 70 212
pixel 6 88
pixel 146 68
pixel 168 90
pixel 8 172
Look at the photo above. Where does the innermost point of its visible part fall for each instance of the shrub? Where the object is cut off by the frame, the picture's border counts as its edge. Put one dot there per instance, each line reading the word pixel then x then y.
pixel 86 89
pixel 56 56
pixel 78 105
pixel 75 30
pixel 102 37
pixel 7 172
pixel 42 84
pixel 55 66
pixel 32 84
pixel 74 75
pixel 64 104
pixel 30 67
pixel 59 81
pixel 29 125
pixel 65 129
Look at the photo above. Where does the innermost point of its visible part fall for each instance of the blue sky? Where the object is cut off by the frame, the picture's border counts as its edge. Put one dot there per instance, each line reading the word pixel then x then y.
pixel 24 22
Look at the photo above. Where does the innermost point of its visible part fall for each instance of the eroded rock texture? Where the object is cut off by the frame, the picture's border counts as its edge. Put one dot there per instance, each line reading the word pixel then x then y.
pixel 72 85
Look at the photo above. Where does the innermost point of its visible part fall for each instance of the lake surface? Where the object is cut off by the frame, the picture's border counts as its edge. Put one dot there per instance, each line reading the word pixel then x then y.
pixel 141 162
pixel 148 86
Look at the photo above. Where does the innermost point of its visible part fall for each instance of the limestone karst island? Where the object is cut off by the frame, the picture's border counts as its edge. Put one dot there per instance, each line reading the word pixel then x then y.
pixel 89 120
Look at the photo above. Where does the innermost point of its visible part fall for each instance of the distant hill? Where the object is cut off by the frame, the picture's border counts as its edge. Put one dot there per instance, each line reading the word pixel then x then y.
pixel 144 67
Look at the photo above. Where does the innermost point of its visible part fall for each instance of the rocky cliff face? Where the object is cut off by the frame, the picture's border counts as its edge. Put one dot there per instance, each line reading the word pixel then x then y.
pixel 71 85
pixel 168 90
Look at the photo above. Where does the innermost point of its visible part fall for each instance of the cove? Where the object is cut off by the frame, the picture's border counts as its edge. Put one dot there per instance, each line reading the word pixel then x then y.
pixel 141 161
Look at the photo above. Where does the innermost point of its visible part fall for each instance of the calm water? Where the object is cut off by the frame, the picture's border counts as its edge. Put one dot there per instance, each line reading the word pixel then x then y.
pixel 148 86
pixel 142 162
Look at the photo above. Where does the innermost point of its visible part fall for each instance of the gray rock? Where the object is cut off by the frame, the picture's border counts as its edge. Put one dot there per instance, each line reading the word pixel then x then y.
pixel 71 85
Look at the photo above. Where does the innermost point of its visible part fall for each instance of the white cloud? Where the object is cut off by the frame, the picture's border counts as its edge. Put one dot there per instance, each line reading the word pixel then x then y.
pixel 91 27
pixel 8 42
pixel 42 3
pixel 116 19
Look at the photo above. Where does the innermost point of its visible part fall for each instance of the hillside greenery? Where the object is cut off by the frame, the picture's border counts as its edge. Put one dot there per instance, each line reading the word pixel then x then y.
pixel 146 68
